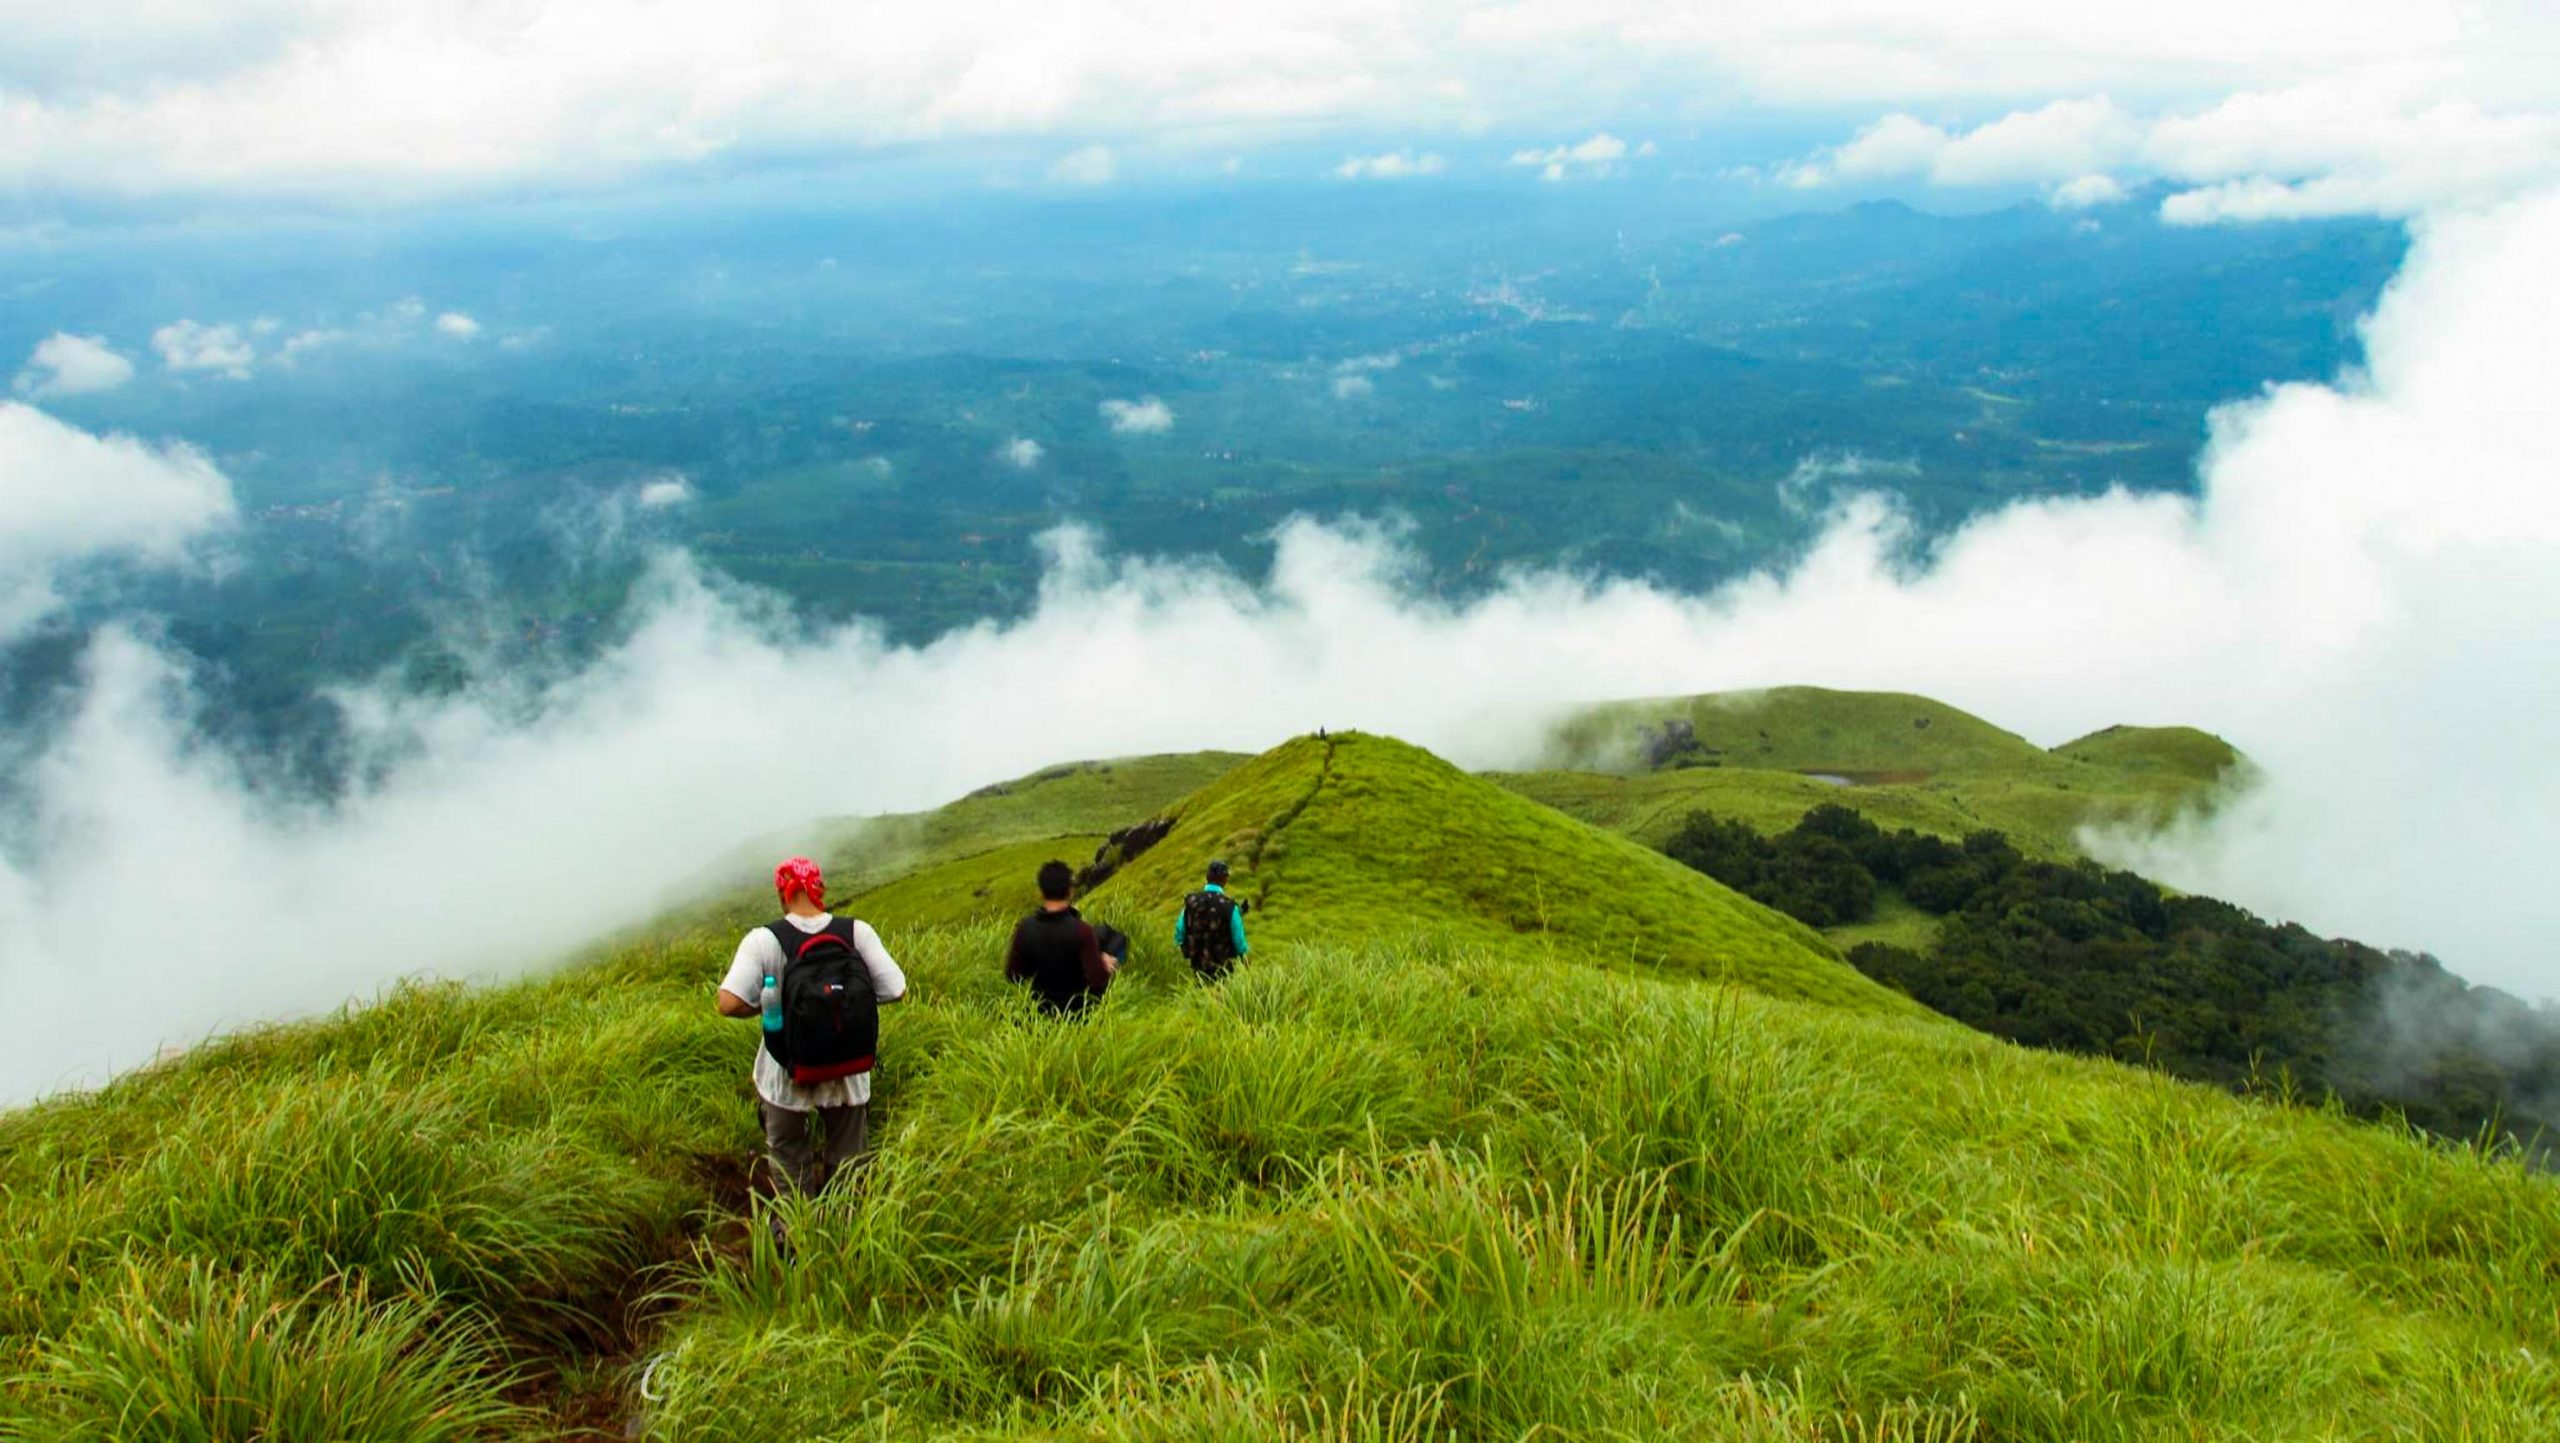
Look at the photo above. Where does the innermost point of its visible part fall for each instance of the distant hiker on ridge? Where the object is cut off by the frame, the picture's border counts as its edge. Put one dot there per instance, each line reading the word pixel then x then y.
pixel 1057 951
pixel 817 982
pixel 1210 927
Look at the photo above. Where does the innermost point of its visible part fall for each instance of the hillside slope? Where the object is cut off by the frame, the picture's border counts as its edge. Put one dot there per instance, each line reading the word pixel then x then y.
pixel 1073 804
pixel 1766 757
pixel 1794 728
pixel 1387 1183
pixel 1355 837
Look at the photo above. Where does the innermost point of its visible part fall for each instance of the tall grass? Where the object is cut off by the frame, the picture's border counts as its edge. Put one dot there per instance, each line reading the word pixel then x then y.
pixel 1403 1189
pixel 453 1179
pixel 1424 1191
pixel 205 1358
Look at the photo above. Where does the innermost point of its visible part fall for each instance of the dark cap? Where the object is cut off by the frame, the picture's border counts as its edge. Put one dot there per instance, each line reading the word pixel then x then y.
pixel 1218 871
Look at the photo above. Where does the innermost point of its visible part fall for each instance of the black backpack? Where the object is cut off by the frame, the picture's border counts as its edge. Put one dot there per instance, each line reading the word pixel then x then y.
pixel 830 1016
pixel 1208 932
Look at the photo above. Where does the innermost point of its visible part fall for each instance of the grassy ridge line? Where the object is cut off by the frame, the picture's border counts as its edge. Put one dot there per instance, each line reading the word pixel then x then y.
pixel 863 855
pixel 1079 798
pixel 1801 728
pixel 983 886
pixel 1916 763
pixel 2183 753
pixel 1359 836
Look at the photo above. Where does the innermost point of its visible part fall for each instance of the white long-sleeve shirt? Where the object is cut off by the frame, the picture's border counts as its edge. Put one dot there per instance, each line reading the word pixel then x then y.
pixel 760 956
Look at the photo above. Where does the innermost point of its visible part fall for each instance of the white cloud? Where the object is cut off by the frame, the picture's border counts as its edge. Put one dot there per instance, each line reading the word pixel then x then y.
pixel 1391 165
pixel 401 322
pixel 1093 165
pixel 662 493
pixel 1353 387
pixel 2087 192
pixel 1146 416
pixel 1821 480
pixel 2344 150
pixel 2059 141
pixel 67 496
pixel 63 364
pixel 1894 146
pixel 1601 155
pixel 1021 451
pixel 2066 138
pixel 186 345
pixel 133 97
pixel 2355 147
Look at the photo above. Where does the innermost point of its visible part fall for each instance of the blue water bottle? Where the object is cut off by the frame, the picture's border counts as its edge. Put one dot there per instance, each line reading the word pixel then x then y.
pixel 772 1001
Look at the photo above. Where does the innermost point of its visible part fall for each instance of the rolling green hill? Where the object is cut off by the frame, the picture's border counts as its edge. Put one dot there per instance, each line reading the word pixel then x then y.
pixel 980 887
pixel 1508 1129
pixel 1362 837
pixel 1073 805
pixel 1766 757
pixel 1074 799
pixel 1801 729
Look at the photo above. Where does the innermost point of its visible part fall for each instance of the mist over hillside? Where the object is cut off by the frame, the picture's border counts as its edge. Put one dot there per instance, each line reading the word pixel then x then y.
pixel 482 524
pixel 2356 552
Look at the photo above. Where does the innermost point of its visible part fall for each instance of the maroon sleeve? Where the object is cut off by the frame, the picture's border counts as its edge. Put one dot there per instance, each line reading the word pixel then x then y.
pixel 1089 952
pixel 1014 969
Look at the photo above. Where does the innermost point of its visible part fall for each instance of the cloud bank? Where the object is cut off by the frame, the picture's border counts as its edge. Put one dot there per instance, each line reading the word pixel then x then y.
pixel 135 98
pixel 2334 147
pixel 2366 598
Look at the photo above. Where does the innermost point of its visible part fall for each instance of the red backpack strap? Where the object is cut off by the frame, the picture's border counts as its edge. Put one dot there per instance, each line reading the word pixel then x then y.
pixel 838 928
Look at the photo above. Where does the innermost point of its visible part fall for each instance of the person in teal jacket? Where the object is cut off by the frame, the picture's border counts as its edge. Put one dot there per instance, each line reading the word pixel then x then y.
pixel 1209 930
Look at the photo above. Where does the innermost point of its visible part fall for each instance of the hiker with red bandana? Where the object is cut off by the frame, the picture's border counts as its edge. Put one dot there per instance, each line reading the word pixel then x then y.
pixel 816 980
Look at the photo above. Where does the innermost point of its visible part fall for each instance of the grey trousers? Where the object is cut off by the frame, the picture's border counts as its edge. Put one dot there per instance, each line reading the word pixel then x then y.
pixel 795 1163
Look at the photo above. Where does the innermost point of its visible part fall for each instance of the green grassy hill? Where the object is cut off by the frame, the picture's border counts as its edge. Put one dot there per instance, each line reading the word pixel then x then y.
pixel 1363 837
pixel 1801 729
pixel 1767 757
pixel 1388 1182
pixel 1077 799
pixel 2179 755
pixel 980 887
pixel 1062 811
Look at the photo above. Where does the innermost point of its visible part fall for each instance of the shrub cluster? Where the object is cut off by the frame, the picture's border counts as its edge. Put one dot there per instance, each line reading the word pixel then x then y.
pixel 2083 959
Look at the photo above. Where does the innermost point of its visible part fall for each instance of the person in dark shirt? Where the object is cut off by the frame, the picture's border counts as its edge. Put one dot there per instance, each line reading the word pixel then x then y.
pixel 1210 927
pixel 1057 951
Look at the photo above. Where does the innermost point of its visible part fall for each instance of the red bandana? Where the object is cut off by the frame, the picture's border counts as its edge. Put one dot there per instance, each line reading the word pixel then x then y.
pixel 800 875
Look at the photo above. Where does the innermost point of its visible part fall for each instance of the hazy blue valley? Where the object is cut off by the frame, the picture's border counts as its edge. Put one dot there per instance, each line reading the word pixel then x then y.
pixel 453 445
